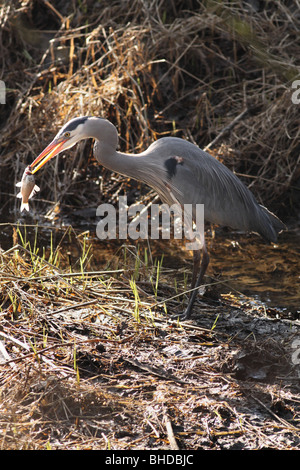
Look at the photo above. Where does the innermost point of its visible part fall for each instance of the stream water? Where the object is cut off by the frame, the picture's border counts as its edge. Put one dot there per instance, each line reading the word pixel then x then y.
pixel 242 264
pixel 267 273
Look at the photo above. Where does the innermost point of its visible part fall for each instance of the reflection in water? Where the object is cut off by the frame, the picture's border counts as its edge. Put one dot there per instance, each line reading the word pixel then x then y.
pixel 267 272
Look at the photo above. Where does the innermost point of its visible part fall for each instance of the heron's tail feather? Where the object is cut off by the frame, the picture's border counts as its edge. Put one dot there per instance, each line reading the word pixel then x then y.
pixel 270 225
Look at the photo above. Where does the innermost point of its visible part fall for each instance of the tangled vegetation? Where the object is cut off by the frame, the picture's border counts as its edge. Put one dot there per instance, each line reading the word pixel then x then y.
pixel 185 68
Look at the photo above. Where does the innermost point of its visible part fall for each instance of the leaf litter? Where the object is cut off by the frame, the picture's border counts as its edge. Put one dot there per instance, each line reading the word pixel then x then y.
pixel 80 369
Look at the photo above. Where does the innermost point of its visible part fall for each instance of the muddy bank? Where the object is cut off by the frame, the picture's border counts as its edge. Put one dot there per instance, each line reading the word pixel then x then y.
pixel 90 358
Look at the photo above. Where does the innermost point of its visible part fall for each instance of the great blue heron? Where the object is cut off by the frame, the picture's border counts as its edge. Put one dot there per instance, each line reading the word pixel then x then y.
pixel 177 170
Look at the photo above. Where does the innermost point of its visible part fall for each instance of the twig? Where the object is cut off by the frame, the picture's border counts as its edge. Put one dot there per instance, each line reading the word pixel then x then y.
pixel 170 432
pixel 62 19
pixel 154 370
pixel 59 345
pixel 25 346
pixel 281 420
pixel 5 357
pixel 227 128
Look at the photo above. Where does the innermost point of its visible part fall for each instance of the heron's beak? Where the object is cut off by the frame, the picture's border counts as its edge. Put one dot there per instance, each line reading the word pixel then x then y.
pixel 50 151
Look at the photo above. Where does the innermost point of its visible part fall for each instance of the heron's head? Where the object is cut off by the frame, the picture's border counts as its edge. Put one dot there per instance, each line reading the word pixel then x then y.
pixel 71 133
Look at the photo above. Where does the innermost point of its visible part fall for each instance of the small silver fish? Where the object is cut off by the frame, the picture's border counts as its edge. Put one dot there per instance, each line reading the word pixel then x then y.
pixel 28 188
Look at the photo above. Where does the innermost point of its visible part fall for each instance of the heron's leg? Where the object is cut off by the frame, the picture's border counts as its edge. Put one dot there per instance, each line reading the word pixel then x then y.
pixel 203 267
pixel 196 264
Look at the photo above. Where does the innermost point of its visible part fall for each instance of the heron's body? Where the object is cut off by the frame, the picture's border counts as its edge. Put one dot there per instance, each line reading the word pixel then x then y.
pixel 180 172
pixel 192 176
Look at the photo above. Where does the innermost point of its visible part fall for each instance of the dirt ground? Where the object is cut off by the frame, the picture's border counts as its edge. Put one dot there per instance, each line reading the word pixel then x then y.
pixel 88 362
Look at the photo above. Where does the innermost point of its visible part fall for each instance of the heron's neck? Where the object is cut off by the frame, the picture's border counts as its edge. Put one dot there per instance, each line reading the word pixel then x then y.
pixel 105 148
pixel 124 163
pixel 140 167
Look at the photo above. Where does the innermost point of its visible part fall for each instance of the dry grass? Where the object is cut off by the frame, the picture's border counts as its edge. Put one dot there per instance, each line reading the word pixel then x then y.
pixel 153 68
pixel 88 359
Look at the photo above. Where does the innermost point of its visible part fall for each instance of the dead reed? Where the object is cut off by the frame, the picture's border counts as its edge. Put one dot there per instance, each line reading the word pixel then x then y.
pixel 153 68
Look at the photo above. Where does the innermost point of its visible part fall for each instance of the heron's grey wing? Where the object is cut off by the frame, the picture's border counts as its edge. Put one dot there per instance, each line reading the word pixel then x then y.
pixel 196 177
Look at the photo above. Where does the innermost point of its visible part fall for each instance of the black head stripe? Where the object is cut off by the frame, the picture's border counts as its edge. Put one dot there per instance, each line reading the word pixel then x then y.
pixel 72 125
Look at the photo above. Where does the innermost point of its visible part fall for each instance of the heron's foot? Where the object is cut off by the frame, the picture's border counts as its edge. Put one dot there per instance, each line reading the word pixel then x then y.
pixel 182 316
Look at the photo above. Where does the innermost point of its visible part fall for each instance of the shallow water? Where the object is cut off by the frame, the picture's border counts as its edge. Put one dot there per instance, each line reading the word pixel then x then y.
pixel 241 264
pixel 247 266
pixel 268 273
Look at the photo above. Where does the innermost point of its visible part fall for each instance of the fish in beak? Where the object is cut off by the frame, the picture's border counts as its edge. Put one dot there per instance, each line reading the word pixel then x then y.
pixel 28 188
pixel 49 152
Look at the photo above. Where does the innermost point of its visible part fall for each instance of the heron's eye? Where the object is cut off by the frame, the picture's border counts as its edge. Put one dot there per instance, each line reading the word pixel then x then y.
pixel 67 134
